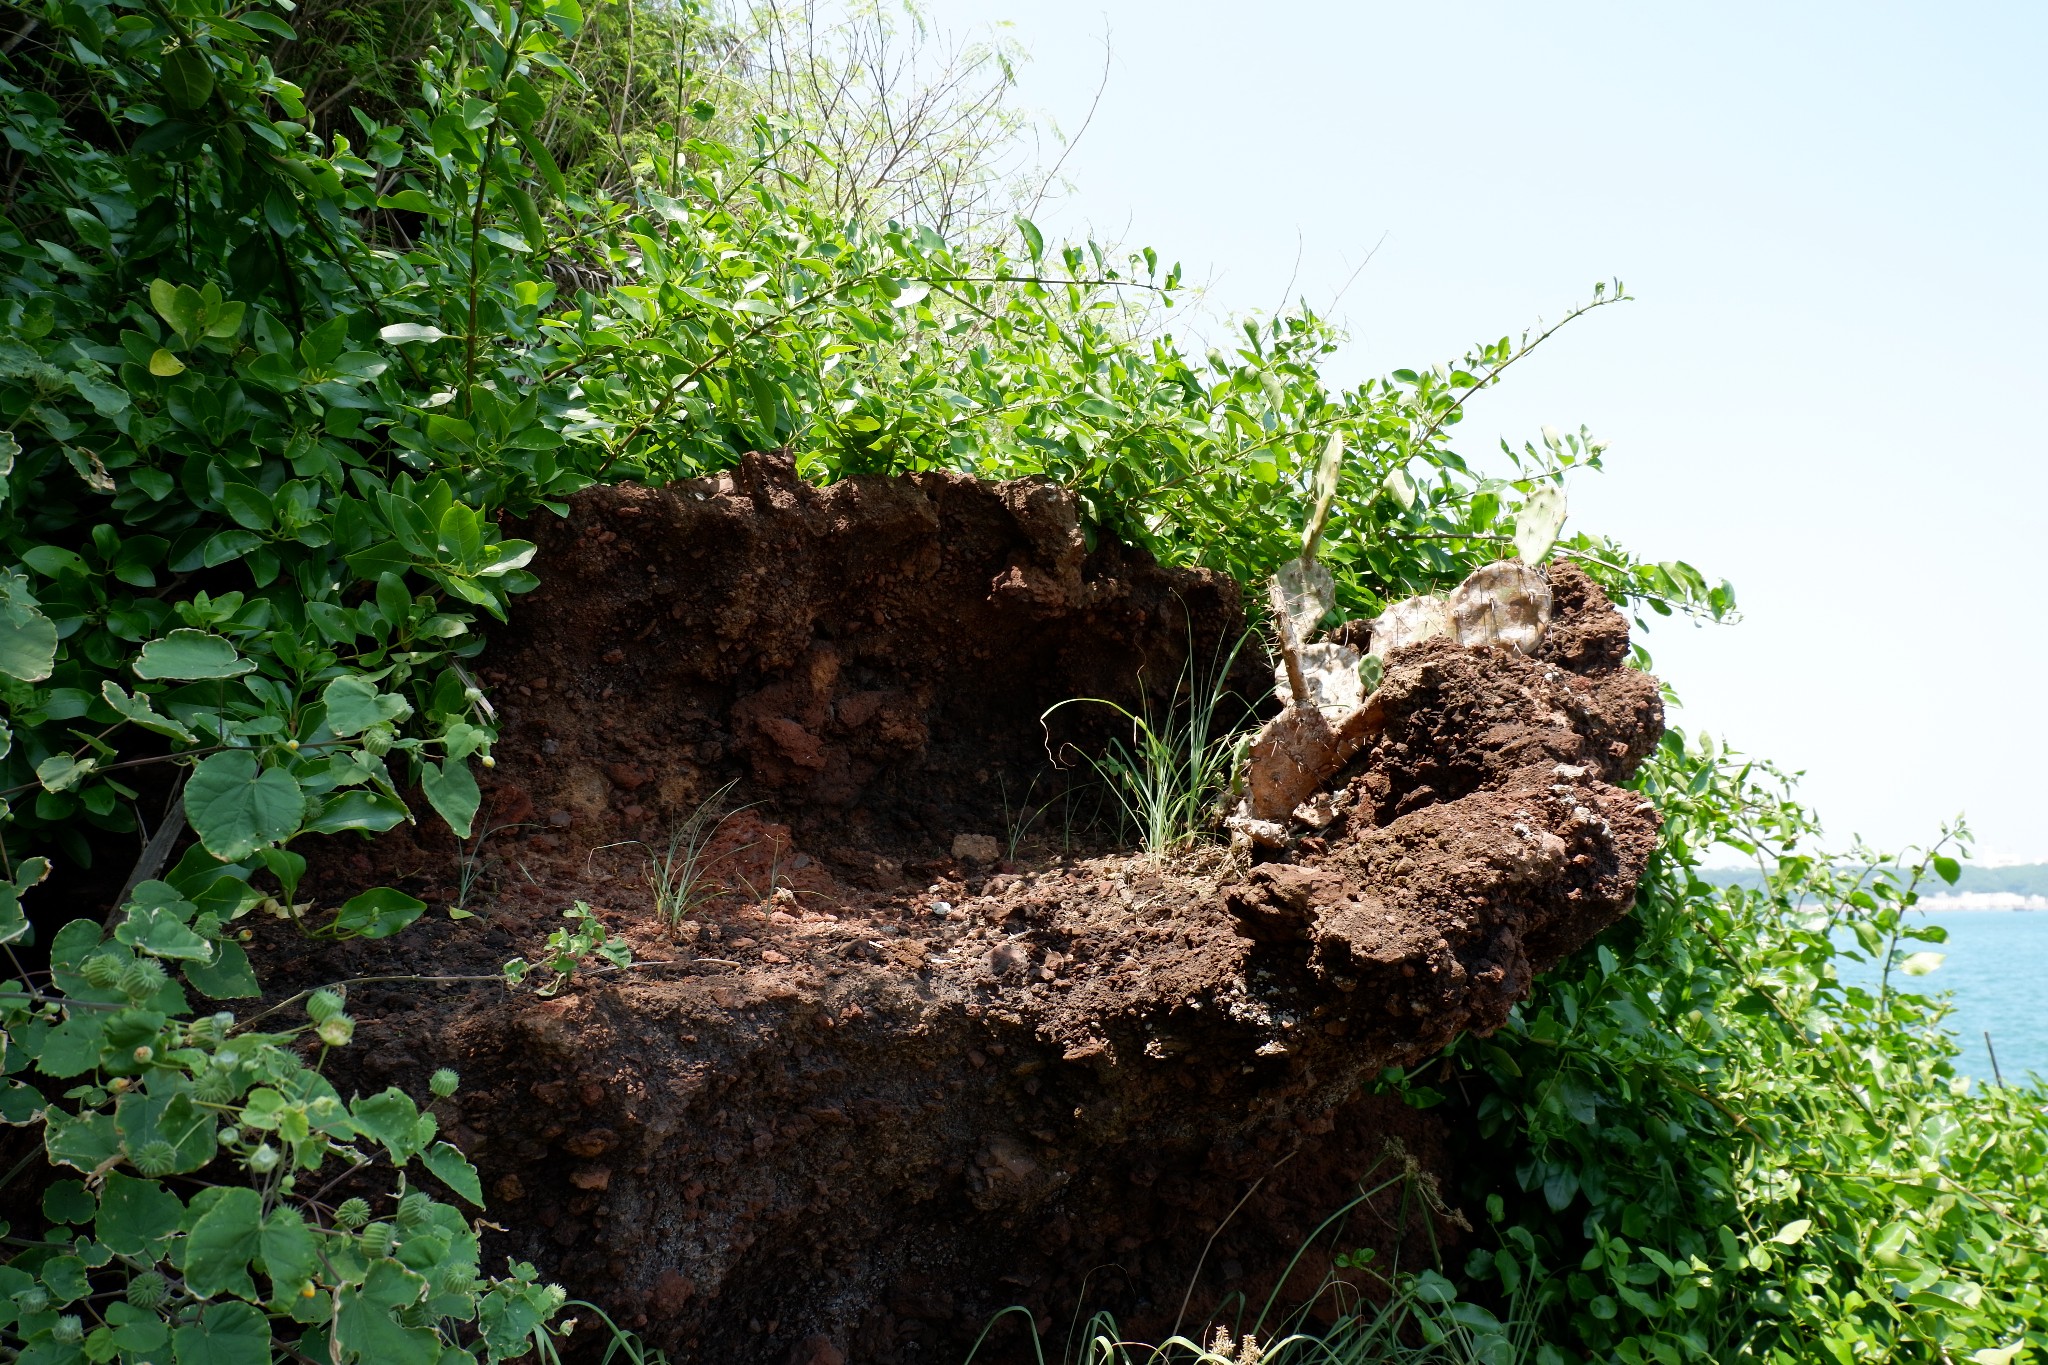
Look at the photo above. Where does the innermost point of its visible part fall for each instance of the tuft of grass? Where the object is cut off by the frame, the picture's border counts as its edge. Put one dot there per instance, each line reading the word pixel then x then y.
pixel 680 875
pixel 469 868
pixel 1178 761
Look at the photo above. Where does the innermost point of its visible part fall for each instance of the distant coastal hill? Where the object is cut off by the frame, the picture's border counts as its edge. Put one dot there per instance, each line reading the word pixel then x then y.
pixel 2018 886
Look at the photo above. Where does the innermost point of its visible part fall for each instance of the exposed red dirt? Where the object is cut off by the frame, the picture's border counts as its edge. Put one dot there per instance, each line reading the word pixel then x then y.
pixel 872 1093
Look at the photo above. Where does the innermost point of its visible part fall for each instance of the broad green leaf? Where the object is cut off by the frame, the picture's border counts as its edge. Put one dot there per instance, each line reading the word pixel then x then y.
pixel 406 201
pixel 171 1117
pixel 354 705
pixel 136 1217
pixel 377 913
pixel 237 806
pixel 225 1334
pixel 68 1201
pixel 226 320
pixel 250 507
pixel 189 656
pixel 452 1169
pixel 138 1331
pixel 222 1243
pixel 506 556
pixel 1948 869
pixel 227 977
pixel 290 1252
pixel 1920 964
pixel 28 639
pixel 356 809
pixel 164 365
pixel 60 771
pixel 72 1048
pixel 1792 1232
pixel 86 1142
pixel 158 931
pixel 412 331
pixel 138 710
pixel 187 78
pixel 451 789
pixel 392 1119
pixel 366 1329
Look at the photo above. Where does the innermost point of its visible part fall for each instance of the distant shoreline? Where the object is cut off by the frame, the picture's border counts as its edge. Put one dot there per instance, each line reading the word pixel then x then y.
pixel 2015 887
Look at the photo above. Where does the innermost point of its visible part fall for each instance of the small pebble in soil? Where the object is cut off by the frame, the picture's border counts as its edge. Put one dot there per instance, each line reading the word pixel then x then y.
pixel 941 909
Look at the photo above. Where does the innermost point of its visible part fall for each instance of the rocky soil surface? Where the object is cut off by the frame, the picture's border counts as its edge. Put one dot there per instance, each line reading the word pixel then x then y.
pixel 924 1051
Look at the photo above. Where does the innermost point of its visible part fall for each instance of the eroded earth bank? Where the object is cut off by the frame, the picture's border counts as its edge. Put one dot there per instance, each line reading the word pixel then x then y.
pixel 890 1080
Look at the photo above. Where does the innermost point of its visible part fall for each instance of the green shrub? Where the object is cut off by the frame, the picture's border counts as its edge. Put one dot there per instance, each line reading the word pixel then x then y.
pixel 1706 1141
pixel 266 395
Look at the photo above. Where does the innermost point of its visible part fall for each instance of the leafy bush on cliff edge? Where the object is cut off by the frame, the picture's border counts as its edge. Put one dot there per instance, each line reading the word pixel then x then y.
pixel 266 394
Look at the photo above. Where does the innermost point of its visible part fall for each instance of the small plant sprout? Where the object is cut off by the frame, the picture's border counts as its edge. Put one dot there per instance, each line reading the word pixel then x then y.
pixel 469 869
pixel 568 948
pixel 1176 764
pixel 1017 824
pixel 680 876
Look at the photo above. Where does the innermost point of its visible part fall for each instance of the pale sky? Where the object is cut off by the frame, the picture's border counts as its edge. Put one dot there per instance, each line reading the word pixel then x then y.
pixel 1830 389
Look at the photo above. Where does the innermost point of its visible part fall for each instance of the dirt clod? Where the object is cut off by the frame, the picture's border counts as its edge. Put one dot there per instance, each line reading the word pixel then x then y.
pixel 888 1075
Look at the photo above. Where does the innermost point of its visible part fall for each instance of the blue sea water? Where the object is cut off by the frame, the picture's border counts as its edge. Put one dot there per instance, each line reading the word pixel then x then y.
pixel 1996 970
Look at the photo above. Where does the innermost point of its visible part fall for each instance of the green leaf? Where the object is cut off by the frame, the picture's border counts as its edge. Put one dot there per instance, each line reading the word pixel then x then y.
pixel 1948 869
pixel 1790 1234
pixel 290 1251
pixel 248 506
pixel 237 806
pixel 451 789
pixel 138 711
pixel 171 1117
pixel 137 1331
pixel 187 78
pixel 60 771
pixel 226 320
pixel 84 1143
pixel 190 656
pixel 64 1277
pixel 225 1334
pixel 377 913
pixel 164 365
pixel 227 977
pixel 407 201
pixel 543 161
pixel 411 331
pixel 529 217
pixel 28 639
pixel 365 1328
pixel 1920 964
pixel 158 931
pixel 354 705
pixel 72 1048
pixel 68 1201
pixel 223 1242
pixel 137 1217
pixel 356 809
pixel 1034 240
pixel 452 1169
pixel 392 1119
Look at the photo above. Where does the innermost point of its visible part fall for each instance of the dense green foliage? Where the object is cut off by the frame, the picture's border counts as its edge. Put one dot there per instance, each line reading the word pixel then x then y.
pixel 1727 1131
pixel 270 380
